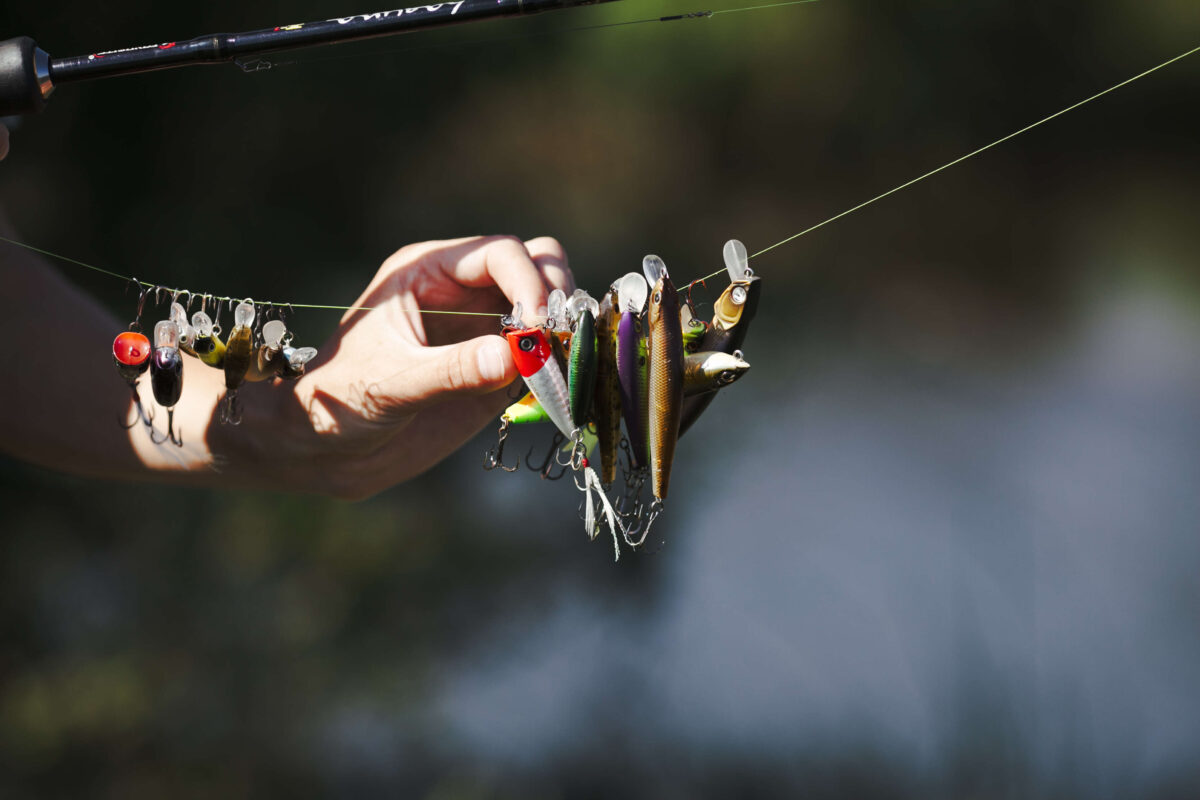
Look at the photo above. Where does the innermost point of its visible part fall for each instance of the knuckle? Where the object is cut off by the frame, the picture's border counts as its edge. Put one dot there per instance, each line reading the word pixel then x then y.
pixel 503 242
pixel 455 374
pixel 548 246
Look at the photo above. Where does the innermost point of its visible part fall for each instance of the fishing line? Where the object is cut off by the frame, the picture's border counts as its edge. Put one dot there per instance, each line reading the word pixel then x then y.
pixel 215 298
pixel 263 64
pixel 765 250
pixel 961 159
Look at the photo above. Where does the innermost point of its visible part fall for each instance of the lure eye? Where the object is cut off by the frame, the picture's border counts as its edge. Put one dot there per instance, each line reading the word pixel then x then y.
pixel 658 297
pixel 527 344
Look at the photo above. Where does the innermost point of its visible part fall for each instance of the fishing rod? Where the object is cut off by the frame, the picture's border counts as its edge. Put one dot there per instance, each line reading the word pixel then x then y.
pixel 28 75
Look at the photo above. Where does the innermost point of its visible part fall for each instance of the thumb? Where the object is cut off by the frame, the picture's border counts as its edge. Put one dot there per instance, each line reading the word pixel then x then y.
pixel 476 366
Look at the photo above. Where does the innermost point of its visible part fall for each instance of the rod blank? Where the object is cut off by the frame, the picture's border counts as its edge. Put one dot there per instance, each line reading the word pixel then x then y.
pixel 28 75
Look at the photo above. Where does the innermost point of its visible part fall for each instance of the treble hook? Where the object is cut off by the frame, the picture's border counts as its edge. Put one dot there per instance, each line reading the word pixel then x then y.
pixel 231 409
pixel 547 468
pixel 578 459
pixel 258 321
pixel 656 508
pixel 171 436
pixel 142 416
pixel 495 457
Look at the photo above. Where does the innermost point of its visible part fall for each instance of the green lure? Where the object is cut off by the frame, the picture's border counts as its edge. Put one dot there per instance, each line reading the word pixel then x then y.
pixel 581 367
pixel 525 411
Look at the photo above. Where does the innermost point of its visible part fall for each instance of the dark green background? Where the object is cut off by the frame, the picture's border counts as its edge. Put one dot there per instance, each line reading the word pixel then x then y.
pixel 943 540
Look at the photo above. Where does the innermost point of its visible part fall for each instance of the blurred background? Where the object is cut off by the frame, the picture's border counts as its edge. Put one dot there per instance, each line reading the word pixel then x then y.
pixel 942 541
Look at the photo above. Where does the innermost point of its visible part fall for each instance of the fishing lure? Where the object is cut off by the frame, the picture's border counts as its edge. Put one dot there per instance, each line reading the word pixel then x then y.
pixel 206 343
pixel 268 361
pixel 525 411
pixel 606 401
pixel 666 376
pixel 296 361
pixel 707 372
pixel 532 353
pixel 131 355
pixel 581 364
pixel 239 351
pixel 631 365
pixel 187 333
pixel 732 314
pixel 166 375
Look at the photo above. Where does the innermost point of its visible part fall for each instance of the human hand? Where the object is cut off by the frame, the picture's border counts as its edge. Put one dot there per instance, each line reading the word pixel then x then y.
pixel 395 391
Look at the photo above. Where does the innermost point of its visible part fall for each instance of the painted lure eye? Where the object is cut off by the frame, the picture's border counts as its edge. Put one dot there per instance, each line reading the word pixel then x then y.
pixel 527 344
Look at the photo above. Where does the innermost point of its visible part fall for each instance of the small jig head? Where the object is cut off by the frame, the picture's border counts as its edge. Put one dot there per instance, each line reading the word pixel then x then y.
pixel 131 354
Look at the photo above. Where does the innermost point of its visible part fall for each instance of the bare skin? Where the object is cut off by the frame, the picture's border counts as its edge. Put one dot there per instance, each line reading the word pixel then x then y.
pixel 392 393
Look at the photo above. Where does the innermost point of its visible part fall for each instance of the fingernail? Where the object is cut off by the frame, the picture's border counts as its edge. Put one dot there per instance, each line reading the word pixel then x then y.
pixel 491 361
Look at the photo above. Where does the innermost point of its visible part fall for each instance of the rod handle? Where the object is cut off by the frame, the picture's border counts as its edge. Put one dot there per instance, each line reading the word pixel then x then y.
pixel 24 77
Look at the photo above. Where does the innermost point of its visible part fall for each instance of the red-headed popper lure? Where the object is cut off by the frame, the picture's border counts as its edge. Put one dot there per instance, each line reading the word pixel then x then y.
pixel 532 353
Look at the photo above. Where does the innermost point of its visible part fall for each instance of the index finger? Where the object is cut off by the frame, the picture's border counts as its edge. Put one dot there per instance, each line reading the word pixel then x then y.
pixel 501 261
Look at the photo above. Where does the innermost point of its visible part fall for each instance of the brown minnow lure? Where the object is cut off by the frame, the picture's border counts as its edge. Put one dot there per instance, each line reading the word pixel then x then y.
pixel 606 402
pixel 268 361
pixel 665 353
pixel 732 315
pixel 239 352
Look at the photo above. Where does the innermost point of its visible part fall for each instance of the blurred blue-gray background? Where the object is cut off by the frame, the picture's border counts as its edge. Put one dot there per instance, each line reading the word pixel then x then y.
pixel 943 541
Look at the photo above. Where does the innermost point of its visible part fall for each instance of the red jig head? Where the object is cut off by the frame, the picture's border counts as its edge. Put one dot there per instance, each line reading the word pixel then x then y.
pixel 131 354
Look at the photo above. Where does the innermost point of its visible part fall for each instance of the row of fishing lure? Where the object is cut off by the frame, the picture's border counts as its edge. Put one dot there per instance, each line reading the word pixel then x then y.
pixel 249 354
pixel 639 355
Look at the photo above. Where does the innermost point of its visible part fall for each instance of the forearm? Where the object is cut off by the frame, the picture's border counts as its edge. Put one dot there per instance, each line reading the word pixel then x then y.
pixel 64 404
